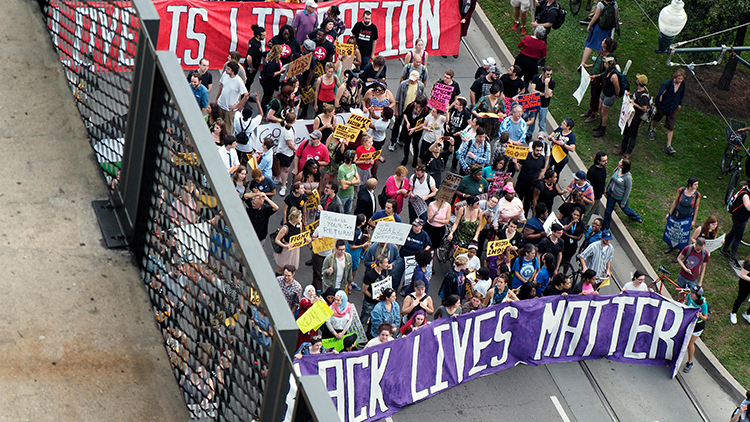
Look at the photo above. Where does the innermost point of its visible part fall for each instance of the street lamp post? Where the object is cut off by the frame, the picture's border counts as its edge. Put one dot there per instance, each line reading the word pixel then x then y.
pixel 672 19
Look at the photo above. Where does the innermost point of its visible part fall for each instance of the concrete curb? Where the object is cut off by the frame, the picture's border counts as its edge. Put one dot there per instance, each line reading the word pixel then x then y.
pixel 703 354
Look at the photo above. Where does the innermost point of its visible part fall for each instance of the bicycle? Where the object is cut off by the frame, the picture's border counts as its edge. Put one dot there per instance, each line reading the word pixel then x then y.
pixel 734 155
pixel 662 278
pixel 566 269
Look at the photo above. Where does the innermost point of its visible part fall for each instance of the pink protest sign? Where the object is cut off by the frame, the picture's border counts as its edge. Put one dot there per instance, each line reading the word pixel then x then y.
pixel 441 97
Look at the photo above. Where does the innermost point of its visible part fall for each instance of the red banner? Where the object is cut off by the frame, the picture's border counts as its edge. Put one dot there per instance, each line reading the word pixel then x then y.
pixel 194 29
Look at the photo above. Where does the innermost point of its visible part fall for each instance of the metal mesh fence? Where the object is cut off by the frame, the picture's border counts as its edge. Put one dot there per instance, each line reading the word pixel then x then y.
pixel 96 41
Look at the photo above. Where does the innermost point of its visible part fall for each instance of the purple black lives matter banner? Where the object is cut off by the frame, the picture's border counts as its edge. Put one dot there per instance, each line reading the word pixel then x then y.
pixel 633 327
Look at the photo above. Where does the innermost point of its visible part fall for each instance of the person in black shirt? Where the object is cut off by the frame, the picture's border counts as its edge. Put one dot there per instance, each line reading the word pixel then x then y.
pixel 448 81
pixel 324 49
pixel 547 15
pixel 287 41
pixel 530 170
pixel 207 79
pixel 544 85
pixel 295 199
pixel 378 272
pixel 366 33
pixel 254 56
pixel 481 87
pixel 458 118
pixel 597 176
pixel 553 244
pixel 260 211
pixel 513 85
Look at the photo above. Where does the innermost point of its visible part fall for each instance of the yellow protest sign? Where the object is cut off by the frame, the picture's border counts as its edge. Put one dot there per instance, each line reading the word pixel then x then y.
pixel 344 49
pixel 519 152
pixel 603 283
pixel 389 218
pixel 185 158
pixel 357 121
pixel 312 226
pixel 298 66
pixel 308 95
pixel 419 122
pixel 369 156
pixel 460 251
pixel 346 132
pixel 558 154
pixel 323 244
pixel 489 115
pixel 497 247
pixel 299 240
pixel 313 199
pixel 319 70
pixel 314 317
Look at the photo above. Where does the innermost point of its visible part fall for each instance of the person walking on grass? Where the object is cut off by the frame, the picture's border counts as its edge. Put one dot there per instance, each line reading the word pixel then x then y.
pixel 668 103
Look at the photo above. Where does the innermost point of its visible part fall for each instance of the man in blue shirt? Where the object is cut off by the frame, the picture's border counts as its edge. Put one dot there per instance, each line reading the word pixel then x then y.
pixel 200 91
pixel 534 231
pixel 668 103
pixel 477 151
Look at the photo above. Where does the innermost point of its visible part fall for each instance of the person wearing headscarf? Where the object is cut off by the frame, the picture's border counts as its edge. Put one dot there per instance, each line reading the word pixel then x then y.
pixel 309 298
pixel 343 315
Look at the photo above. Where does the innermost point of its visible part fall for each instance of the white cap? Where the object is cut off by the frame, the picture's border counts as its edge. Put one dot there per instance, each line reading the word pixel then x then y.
pixel 414 75
pixel 311 3
pixel 489 61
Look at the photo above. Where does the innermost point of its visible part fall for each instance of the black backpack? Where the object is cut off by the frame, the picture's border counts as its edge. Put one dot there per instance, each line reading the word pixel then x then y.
pixel 560 18
pixel 241 136
pixel 735 202
pixel 608 18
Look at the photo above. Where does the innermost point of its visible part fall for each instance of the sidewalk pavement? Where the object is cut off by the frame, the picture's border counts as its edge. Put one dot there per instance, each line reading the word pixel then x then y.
pixel 79 339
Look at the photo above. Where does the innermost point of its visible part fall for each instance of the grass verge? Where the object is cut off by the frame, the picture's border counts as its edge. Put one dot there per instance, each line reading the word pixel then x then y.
pixel 699 139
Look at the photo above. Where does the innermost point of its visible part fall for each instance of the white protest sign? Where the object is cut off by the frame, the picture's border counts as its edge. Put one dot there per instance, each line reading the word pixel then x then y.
pixel 391 232
pixel 552 219
pixel 714 244
pixel 419 205
pixel 300 130
pixel 379 286
pixel 585 81
pixel 193 241
pixel 337 226
pixel 626 114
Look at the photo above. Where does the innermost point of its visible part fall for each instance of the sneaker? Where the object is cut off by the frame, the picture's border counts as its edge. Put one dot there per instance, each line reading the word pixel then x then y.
pixel 669 150
pixel 392 147
pixel 734 263
pixel 725 253
pixel 651 134
pixel 747 317
pixel 619 151
pixel 586 114
pixel 688 367
pixel 282 191
pixel 515 26
pixel 523 31
pixel 276 181
pixel 600 133
pixel 590 119
pixel 733 318
pixel 355 287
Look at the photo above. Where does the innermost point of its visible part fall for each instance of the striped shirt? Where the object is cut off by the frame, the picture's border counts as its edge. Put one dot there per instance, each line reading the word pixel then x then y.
pixel 597 256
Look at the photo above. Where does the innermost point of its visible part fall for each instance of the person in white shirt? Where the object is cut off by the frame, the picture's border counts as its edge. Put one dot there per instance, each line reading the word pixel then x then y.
pixel 421 185
pixel 434 128
pixel 228 154
pixel 232 92
pixel 638 283
pixel 474 263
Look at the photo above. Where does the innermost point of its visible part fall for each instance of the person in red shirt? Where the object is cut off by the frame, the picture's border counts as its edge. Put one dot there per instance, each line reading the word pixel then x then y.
pixel 311 148
pixel 364 166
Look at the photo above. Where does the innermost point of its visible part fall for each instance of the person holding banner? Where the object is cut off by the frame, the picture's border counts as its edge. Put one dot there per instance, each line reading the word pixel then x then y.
pixel 454 282
pixel 314 347
pixel 450 307
pixel 685 206
pixel 388 310
pixel 385 334
pixel 343 316
pixel 418 320
pixel 500 292
pixel 288 256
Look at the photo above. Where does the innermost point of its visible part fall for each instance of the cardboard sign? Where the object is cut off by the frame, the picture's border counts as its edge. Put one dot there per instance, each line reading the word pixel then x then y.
pixel 314 317
pixel 313 200
pixel 558 154
pixel 359 122
pixel 346 132
pixel 308 95
pixel 379 286
pixel 419 205
pixel 459 251
pixel 312 226
pixel 369 156
pixel 299 240
pixel 517 151
pixel 448 188
pixel 336 225
pixel 319 70
pixel 418 122
pixel 344 49
pixel 497 247
pixel 440 97
pixel 489 115
pixel 627 111
pixel 323 244
pixel 299 66
pixel 530 102
pixel 388 218
pixel 336 344
pixel 390 232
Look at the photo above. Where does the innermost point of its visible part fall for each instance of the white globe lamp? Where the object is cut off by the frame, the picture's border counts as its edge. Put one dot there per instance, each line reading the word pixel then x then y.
pixel 672 19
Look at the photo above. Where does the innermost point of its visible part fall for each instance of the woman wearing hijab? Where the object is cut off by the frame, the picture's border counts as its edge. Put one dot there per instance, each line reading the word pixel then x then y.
pixel 308 300
pixel 343 315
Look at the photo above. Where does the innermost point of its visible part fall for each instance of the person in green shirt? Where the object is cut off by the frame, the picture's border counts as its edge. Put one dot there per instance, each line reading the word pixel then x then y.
pixel 472 184
pixel 348 178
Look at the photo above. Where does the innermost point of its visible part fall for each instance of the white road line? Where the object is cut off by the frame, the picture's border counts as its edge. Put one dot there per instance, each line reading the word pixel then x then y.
pixel 388 420
pixel 559 408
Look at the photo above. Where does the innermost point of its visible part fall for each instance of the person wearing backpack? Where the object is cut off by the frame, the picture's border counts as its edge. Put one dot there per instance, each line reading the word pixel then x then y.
pixel 692 259
pixel 740 209
pixel 610 92
pixel 551 15
pixel 685 206
pixel 640 101
pixel 696 300
pixel 602 25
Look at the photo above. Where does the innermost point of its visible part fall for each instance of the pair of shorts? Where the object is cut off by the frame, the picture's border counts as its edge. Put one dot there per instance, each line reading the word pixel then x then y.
pixel 671 118
pixel 607 101
pixel 685 283
pixel 523 4
pixel 284 160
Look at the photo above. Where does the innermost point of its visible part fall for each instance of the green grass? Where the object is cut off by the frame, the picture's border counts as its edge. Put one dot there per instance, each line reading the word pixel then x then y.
pixel 699 139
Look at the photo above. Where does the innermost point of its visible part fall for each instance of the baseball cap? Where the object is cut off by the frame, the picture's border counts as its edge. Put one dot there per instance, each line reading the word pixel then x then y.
pixel 509 188
pixel 419 283
pixel 311 3
pixel 316 135
pixel 494 69
pixel 606 235
pixel 642 79
pixel 417 222
pixel 489 61
pixel 309 45
pixel 579 175
pixel 541 135
pixel 414 75
pixel 698 290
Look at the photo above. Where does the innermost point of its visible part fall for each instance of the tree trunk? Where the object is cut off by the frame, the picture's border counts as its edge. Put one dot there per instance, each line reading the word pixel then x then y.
pixel 726 77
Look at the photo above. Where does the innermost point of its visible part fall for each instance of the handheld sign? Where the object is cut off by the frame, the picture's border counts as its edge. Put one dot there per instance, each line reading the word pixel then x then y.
pixel 312 226
pixel 308 95
pixel 530 102
pixel 498 182
pixel 389 232
pixel 388 218
pixel 440 97
pixel 336 225
pixel 369 156
pixel 497 247
pixel 346 132
pixel 314 317
pixel 299 240
pixel 313 200
pixel 517 151
pixel 379 286
pixel 323 244
pixel 489 115
pixel 298 66
pixel 459 251
pixel 336 344
pixel 551 219
pixel 418 204
pixel 448 188
pixel 357 121
pixel 344 49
